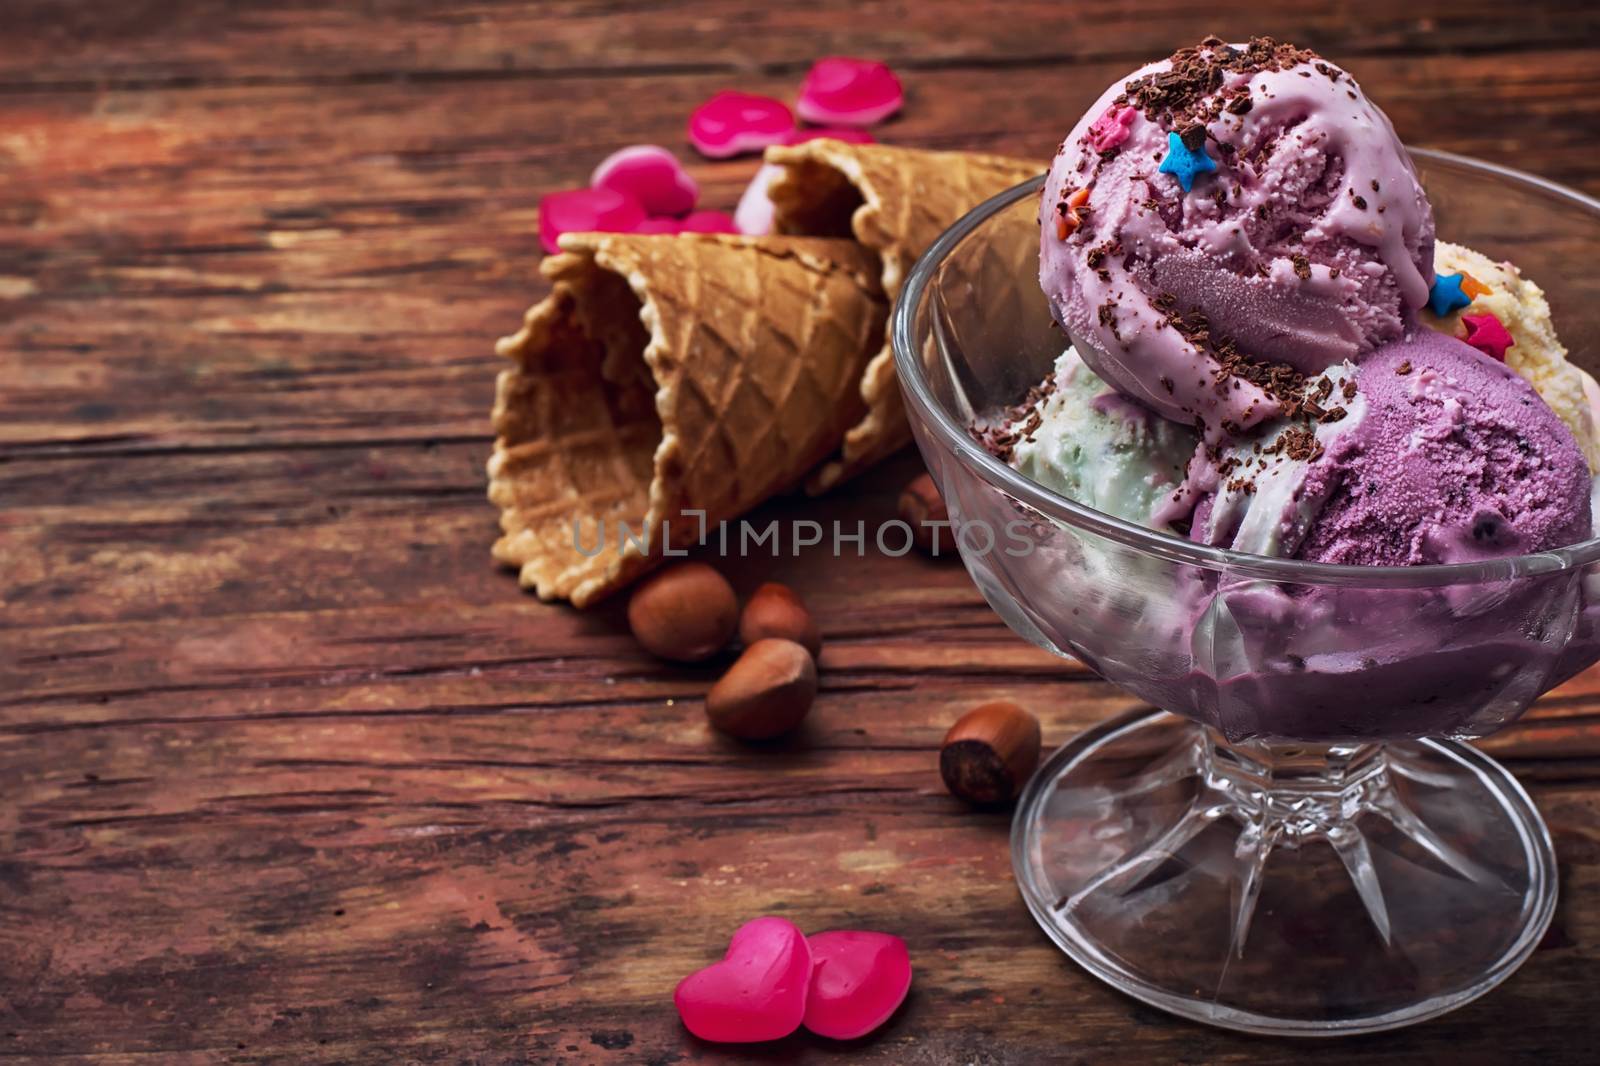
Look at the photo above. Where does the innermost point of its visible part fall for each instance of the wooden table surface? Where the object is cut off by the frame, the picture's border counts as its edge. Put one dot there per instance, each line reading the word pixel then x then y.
pixel 290 772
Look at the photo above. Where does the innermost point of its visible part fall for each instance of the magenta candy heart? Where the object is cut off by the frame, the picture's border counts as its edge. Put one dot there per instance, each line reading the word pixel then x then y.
pixel 730 123
pixel 858 980
pixel 660 225
pixel 709 222
pixel 849 92
pixel 651 175
pixel 832 133
pixel 758 990
pixel 586 211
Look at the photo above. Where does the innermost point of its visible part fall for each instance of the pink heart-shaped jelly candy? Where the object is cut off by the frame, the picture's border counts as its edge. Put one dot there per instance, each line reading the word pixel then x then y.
pixel 758 990
pixel 693 222
pixel 858 980
pixel 660 225
pixel 730 123
pixel 849 92
pixel 651 175
pixel 709 222
pixel 586 211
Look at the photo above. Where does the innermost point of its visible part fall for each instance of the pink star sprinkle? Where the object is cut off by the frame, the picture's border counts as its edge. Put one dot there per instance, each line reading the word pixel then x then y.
pixel 1488 334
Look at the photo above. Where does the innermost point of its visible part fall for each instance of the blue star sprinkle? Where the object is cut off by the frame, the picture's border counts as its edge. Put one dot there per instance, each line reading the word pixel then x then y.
pixel 1185 165
pixel 1446 295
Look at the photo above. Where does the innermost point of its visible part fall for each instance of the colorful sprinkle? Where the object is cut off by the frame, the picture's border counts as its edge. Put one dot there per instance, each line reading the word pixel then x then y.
pixel 1111 128
pixel 1445 295
pixel 1488 334
pixel 1067 218
pixel 1186 164
pixel 1473 287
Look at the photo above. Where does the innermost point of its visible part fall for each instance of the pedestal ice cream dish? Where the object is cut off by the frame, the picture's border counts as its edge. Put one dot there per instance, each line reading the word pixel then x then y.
pixel 1292 837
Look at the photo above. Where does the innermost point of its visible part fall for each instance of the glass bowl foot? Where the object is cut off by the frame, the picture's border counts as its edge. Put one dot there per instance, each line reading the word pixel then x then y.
pixel 1302 890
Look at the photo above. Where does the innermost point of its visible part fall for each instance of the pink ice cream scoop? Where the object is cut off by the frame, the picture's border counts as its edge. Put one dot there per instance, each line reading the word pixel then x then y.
pixel 1255 208
pixel 1439 454
pixel 1456 459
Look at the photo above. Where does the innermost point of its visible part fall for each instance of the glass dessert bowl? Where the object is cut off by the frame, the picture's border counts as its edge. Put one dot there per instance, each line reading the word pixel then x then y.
pixel 1292 837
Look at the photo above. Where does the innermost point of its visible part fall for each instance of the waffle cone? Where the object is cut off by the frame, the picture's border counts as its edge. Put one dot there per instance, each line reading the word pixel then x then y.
pixel 669 374
pixel 893 202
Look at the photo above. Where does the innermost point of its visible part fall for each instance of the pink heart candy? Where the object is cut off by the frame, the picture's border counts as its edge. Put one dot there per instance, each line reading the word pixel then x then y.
pixel 694 222
pixel 849 92
pixel 730 123
pixel 858 980
pixel 651 175
pixel 709 222
pixel 758 990
pixel 660 225
pixel 586 211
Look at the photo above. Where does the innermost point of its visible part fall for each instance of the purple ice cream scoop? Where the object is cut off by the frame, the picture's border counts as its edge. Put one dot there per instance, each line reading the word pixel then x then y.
pixel 1456 459
pixel 1303 236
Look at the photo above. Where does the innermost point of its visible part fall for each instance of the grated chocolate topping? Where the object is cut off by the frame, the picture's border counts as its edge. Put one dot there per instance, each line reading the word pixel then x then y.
pixel 1189 94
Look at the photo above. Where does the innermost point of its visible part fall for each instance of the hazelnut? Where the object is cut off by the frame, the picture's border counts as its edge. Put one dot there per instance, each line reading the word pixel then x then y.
pixel 775 610
pixel 766 693
pixel 923 509
pixel 686 612
pixel 990 753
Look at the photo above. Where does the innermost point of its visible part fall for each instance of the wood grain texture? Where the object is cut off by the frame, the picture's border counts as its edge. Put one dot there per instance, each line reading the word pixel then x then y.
pixel 290 773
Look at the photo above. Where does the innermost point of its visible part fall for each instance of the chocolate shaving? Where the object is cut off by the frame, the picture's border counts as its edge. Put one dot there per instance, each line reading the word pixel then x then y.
pixel 1299 443
pixel 1189 95
pixel 1108 318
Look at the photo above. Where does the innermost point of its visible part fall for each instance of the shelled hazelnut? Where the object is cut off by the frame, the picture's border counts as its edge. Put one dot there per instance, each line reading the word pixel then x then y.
pixel 990 753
